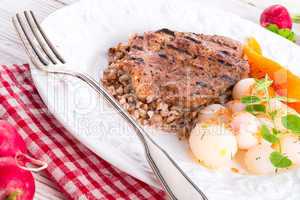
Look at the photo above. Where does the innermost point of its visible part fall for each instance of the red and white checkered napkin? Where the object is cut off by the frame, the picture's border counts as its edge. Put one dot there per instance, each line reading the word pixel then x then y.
pixel 79 172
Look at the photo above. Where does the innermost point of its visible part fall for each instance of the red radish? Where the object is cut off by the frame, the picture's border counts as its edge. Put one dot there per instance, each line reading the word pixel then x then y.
pixel 10 141
pixel 15 183
pixel 278 15
pixel 13 145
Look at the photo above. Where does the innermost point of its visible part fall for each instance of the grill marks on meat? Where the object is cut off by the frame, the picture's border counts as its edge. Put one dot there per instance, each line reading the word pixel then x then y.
pixel 166 31
pixel 184 69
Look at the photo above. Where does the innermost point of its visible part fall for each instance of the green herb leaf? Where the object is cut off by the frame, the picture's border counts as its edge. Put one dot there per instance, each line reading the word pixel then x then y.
pixel 273 27
pixel 284 32
pixel 288 34
pixel 291 122
pixel 296 19
pixel 248 100
pixel 275 131
pixel 273 114
pixel 256 108
pixel 286 99
pixel 267 135
pixel 280 161
pixel 292 37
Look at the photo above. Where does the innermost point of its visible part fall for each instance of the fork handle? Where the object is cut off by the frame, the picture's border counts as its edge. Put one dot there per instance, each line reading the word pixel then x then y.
pixel 173 179
pixel 175 182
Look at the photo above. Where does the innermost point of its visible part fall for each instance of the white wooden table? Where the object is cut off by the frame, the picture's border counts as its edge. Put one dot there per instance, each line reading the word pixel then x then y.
pixel 11 51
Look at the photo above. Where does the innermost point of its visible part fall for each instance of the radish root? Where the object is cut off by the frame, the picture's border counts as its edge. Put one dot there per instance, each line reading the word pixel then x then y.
pixel 37 165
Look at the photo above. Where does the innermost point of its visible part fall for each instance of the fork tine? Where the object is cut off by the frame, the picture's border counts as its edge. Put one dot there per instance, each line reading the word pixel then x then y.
pixel 37 36
pixel 29 50
pixel 30 42
pixel 50 45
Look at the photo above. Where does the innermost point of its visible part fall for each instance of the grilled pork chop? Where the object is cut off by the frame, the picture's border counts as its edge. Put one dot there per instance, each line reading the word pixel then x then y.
pixel 184 69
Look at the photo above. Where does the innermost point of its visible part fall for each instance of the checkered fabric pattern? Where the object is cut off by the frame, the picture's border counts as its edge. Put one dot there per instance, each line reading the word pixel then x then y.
pixel 79 172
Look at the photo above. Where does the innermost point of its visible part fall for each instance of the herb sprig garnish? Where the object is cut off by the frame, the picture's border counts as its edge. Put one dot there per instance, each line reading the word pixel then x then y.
pixel 257 104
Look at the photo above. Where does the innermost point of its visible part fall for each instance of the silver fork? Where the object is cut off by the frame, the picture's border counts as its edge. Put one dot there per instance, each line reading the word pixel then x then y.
pixel 46 58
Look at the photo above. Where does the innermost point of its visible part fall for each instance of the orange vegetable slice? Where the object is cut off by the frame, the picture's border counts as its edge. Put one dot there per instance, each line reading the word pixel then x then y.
pixel 285 82
pixel 254 45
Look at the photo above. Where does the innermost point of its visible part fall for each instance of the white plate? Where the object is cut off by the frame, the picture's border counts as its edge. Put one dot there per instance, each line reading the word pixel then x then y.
pixel 84 31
